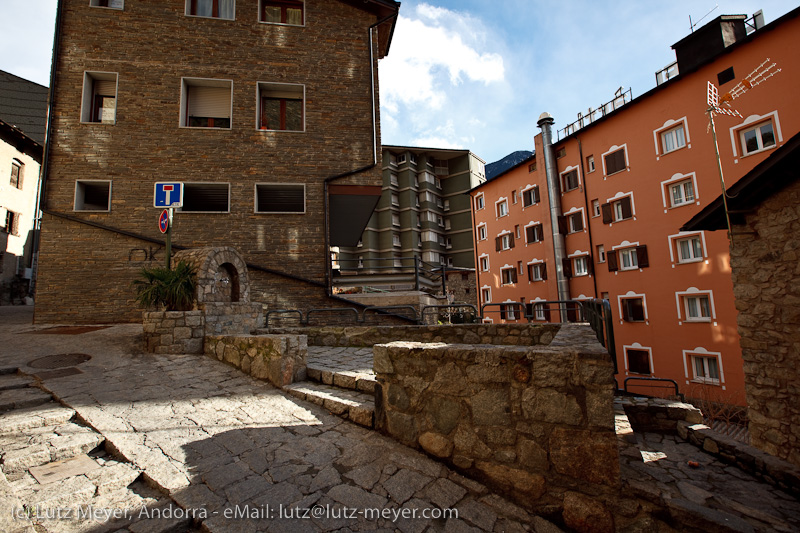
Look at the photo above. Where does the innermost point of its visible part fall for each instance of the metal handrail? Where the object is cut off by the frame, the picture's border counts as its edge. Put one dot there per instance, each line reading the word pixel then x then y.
pixel 666 380
pixel 449 306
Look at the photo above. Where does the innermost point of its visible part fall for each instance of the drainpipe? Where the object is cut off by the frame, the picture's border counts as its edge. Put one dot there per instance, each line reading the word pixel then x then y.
pixel 329 180
pixel 554 194
pixel 588 217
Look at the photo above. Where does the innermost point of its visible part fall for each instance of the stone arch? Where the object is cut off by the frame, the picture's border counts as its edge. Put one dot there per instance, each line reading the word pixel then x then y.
pixel 221 274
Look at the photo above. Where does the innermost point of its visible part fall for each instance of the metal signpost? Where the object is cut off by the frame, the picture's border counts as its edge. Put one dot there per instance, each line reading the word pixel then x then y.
pixel 168 195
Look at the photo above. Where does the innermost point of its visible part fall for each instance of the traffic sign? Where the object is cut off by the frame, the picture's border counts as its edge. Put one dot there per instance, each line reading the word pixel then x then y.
pixel 163 221
pixel 168 194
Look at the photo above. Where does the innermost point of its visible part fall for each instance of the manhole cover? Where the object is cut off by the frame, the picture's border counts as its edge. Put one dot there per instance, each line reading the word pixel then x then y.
pixel 60 361
pixel 69 330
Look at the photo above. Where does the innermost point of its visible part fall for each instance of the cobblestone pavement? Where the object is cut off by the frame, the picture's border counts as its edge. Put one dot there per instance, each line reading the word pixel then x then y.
pixel 240 455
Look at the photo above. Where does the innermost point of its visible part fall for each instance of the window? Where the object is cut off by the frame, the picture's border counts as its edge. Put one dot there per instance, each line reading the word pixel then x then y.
pixel 569 180
pixel 628 259
pixel 622 209
pixel 532 167
pixel 12 223
pixel 633 309
pixel 282 12
pixel 486 295
pixel 502 208
pixel 697 308
pixel 438 184
pixel 482 232
pixel 541 312
pixel 516 231
pixel 99 104
pixel 690 249
pixel 589 164
pixel 281 107
pixel 484 260
pixel 206 198
pixel 725 76
pixel 16 173
pixel 360 261
pixel 395 219
pixel 504 242
pixel 113 4
pixel 206 103
pixel 479 202
pixel 638 361
pixel 280 198
pixel 393 180
pixel 615 161
pixel 508 275
pixel 757 138
pixel 681 193
pixel 705 369
pixel 395 199
pixel 580 266
pixel 92 195
pixel 401 159
pixel 447 205
pixel 507 312
pixel 561 152
pixel 537 272
pixel 595 208
pixel 530 196
pixel 514 196
pixel 601 253
pixel 218 9
pixel 534 233
pixel 395 239
pixel 571 223
pixel 520 268
pixel 673 139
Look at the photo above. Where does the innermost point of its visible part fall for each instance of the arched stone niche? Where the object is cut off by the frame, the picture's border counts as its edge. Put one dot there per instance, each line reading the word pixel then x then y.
pixel 221 274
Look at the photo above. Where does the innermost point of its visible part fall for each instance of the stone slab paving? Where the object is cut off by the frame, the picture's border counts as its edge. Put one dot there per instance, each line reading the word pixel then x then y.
pixel 239 455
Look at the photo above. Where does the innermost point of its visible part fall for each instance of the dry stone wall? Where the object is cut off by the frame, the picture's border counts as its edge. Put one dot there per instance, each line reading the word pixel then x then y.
pixel 530 421
pixel 766 269
pixel 279 359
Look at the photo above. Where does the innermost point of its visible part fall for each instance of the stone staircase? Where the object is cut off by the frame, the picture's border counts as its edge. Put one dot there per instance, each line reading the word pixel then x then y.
pixel 56 476
pixel 340 380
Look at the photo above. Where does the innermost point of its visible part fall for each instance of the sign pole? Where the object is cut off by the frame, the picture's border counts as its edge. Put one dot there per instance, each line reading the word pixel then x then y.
pixel 169 239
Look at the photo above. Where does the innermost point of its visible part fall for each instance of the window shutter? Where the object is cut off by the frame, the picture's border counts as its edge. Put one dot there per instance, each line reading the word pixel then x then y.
pixel 498 243
pixel 615 162
pixel 589 265
pixel 562 225
pixel 613 261
pixel 544 271
pixel 641 256
pixel 105 87
pixel 502 312
pixel 529 236
pixel 511 240
pixel 608 216
pixel 627 210
pixel 567 265
pixel 546 312
pixel 530 272
pixel 626 316
pixel 213 102
pixel 578 222
pixel 536 198
pixel 513 276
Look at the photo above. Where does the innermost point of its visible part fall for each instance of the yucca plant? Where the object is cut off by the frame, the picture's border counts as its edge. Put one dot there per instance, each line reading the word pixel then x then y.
pixel 169 289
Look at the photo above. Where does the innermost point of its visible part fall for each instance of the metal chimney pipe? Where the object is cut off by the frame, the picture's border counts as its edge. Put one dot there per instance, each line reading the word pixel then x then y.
pixel 554 195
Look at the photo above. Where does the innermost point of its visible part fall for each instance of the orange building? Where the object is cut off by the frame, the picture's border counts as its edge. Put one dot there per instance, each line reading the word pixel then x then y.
pixel 596 213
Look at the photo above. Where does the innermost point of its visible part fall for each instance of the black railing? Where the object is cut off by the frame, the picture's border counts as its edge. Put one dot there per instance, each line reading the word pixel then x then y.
pixel 651 383
pixel 420 269
pixel 621 98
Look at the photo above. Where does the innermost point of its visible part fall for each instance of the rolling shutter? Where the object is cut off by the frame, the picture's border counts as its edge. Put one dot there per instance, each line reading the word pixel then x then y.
pixel 211 102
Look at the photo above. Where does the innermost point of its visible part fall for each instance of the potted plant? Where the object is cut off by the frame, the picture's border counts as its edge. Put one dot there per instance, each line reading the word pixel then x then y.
pixel 167 289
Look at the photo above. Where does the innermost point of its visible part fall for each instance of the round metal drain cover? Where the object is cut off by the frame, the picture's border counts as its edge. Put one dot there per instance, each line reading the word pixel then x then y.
pixel 60 361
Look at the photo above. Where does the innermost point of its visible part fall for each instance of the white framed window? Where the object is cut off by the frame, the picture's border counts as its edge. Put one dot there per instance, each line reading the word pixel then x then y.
pixel 690 249
pixel 679 190
pixel 615 160
pixel 595 208
pixel 628 259
pixel 632 307
pixel 92 195
pixel 539 311
pixel 484 263
pixel 695 305
pixel 508 312
pixel 481 232
pixel 530 196
pixel 112 4
pixel 501 207
pixel 756 134
pixel 508 276
pixel 627 256
pixel 281 106
pixel 206 103
pixel 571 222
pixel 590 164
pixel 601 253
pixel 514 196
pixel 479 202
pixel 505 242
pixel 99 101
pixel 673 139
pixel 395 199
pixel 570 180
pixel 486 295
pixel 280 198
pixel 638 359
pixel 580 266
pixel 17 173
pixel 702 366
pixel 517 232
pixel 534 233
pixel 289 12
pixel 537 271
pixel 218 9
pixel 206 198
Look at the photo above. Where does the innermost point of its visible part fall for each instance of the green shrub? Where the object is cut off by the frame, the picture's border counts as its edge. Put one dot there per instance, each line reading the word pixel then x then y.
pixel 162 288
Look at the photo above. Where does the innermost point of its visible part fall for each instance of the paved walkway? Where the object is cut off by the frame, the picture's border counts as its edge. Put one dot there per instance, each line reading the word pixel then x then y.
pixel 241 455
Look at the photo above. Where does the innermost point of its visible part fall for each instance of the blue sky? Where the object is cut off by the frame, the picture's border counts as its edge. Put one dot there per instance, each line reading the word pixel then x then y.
pixel 477 74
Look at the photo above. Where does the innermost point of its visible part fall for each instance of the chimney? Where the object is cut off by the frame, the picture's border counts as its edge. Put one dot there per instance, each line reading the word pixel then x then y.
pixel 709 41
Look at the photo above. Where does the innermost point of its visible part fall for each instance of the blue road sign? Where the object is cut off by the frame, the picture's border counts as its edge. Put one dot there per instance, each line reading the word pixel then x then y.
pixel 163 221
pixel 168 194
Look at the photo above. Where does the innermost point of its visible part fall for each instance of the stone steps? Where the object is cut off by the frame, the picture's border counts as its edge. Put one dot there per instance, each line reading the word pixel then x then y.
pixel 18 391
pixel 343 379
pixel 45 444
pixel 18 420
pixel 357 407
pixel 13 381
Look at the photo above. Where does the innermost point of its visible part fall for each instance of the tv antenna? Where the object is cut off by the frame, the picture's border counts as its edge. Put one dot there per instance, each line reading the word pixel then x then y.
pixel 758 76
pixel 691 26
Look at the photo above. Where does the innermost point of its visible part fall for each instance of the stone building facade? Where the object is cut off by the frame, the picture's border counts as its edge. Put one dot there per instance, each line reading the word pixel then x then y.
pixel 262 110
pixel 765 253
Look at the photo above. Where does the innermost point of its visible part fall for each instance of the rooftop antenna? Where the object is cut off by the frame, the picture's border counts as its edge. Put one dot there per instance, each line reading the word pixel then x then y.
pixel 758 75
pixel 691 26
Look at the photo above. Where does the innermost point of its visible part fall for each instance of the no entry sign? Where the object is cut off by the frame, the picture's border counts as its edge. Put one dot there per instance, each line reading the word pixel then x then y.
pixel 163 221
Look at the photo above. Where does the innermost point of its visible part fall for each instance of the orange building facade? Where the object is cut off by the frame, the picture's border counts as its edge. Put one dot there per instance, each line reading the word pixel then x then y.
pixel 624 179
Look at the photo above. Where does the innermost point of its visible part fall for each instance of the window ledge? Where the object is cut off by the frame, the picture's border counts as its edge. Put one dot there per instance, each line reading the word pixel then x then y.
pixel 617 172
pixel 756 152
pixel 205 128
pixel 689 261
pixel 278 24
pixel 698 320
pixel 706 381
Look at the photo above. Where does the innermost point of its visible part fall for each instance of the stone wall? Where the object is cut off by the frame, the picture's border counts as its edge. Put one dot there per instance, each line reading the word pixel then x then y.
pixel 173 331
pixel 497 334
pixel 530 421
pixel 766 269
pixel 279 359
